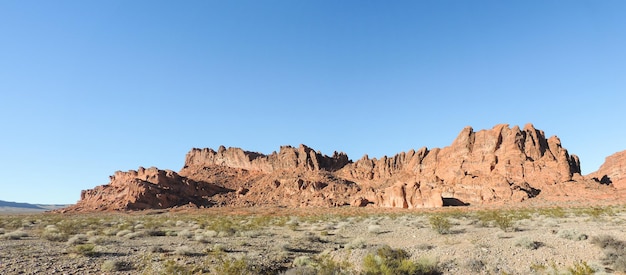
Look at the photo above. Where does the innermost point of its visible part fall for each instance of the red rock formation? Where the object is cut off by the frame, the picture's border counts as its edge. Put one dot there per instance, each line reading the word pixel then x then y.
pixel 288 158
pixel 146 189
pixel 495 166
pixel 612 171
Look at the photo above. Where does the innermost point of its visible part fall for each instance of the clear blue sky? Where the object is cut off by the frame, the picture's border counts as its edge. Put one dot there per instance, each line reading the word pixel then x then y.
pixel 91 87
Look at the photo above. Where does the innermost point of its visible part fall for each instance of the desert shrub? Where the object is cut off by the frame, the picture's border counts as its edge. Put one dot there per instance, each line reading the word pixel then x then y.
pixel 201 238
pixel 225 227
pixel 110 232
pixel 504 222
pixel 388 261
pixel 580 268
pixel 155 232
pixel 440 224
pixel 300 270
pixel 553 212
pixel 87 249
pixel 327 266
pixel 527 243
pixel 595 212
pixel 357 243
pixel 15 235
pixel 77 239
pixel 321 265
pixel 115 265
pixel 572 235
pixel 185 233
pixel 123 233
pixel 500 219
pixel 608 241
pixel 614 251
pixel 184 251
pixel 424 246
pixel 230 266
pixel 374 229
pixel 135 235
pixel 171 267
pixel 97 240
pixel 53 234
pixel 475 265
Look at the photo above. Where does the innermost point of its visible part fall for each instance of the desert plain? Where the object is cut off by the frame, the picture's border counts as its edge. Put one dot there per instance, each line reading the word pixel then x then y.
pixel 546 239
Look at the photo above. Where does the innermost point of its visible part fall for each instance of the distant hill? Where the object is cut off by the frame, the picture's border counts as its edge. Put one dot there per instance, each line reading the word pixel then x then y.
pixel 9 206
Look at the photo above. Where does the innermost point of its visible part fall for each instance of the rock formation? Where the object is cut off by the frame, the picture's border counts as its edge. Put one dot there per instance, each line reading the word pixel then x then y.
pixel 613 171
pixel 146 189
pixel 495 166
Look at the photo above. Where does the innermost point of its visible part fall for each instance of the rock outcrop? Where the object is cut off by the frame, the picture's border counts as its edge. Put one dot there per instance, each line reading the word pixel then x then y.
pixel 302 158
pixel 613 171
pixel 146 189
pixel 496 166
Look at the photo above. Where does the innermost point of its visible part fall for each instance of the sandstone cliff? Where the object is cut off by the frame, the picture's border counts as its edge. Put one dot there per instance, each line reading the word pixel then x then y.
pixel 613 171
pixel 146 189
pixel 495 166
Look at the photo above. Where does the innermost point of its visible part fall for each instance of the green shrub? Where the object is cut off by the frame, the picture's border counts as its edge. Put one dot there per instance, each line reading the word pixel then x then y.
pixel 388 261
pixel 503 221
pixel 87 249
pixel 440 224
pixel 230 266
pixel 580 268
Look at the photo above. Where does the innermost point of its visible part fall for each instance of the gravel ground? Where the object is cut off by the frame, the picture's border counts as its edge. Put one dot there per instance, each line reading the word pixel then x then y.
pixel 535 241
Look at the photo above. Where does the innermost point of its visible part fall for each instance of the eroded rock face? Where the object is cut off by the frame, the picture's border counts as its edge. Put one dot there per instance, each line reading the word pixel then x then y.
pixel 612 171
pixel 288 158
pixel 495 166
pixel 146 189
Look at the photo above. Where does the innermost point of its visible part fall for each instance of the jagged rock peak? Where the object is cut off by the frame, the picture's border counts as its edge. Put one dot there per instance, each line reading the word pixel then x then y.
pixel 288 157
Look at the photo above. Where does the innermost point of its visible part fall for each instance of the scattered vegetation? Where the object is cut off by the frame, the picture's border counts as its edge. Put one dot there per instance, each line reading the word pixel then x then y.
pixel 497 218
pixel 440 224
pixel 115 265
pixel 527 243
pixel 303 244
pixel 572 235
pixel 614 251
pixel 388 261
pixel 15 235
pixel 87 249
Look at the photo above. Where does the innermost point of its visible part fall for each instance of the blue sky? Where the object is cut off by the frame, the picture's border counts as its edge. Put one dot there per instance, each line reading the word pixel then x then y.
pixel 91 87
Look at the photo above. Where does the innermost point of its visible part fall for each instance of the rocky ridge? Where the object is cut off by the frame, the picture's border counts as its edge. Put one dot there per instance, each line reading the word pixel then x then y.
pixel 613 171
pixel 496 166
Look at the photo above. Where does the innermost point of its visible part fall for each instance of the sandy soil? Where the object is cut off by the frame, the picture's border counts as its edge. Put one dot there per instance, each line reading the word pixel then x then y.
pixel 273 241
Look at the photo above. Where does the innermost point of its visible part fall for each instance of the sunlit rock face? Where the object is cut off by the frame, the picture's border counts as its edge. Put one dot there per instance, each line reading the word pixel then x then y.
pixel 502 165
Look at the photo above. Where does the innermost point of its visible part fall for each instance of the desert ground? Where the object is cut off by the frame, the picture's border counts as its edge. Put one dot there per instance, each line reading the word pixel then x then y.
pixel 453 240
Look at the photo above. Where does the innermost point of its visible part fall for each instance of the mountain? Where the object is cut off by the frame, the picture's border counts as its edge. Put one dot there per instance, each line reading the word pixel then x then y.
pixel 8 206
pixel 502 165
